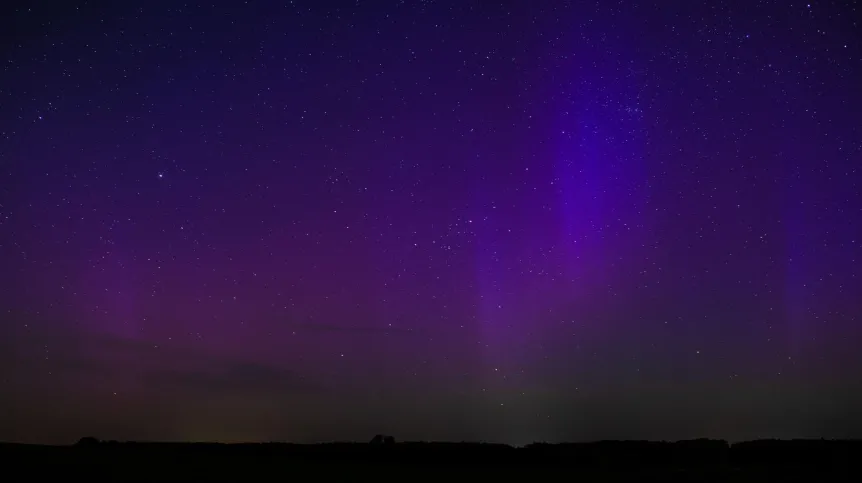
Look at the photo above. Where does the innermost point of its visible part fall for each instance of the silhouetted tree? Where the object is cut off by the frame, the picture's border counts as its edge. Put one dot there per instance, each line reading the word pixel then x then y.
pixel 381 440
pixel 87 441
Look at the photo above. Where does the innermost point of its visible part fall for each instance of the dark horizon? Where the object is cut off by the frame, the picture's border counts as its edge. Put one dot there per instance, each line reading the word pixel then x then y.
pixel 384 459
pixel 88 441
pixel 436 219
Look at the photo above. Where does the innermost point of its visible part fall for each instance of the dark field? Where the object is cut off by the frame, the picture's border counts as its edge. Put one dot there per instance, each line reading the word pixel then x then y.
pixel 606 461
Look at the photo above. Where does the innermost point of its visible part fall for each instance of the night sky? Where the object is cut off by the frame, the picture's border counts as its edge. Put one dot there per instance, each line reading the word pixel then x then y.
pixel 440 220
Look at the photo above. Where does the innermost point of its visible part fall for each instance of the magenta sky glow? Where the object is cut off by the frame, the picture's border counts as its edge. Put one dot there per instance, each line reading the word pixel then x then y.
pixel 431 219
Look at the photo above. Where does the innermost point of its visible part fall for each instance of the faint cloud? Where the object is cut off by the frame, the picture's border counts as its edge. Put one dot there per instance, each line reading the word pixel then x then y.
pixel 100 357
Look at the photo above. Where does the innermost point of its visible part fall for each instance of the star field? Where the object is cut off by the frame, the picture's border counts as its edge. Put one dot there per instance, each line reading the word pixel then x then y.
pixel 459 220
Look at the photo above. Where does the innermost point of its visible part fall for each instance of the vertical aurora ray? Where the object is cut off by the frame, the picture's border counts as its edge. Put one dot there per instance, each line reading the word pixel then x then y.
pixel 599 167
pixel 111 301
pixel 796 232
pixel 493 298
pixel 580 169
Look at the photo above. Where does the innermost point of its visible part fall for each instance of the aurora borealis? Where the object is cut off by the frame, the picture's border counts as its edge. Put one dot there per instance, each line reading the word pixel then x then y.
pixel 451 220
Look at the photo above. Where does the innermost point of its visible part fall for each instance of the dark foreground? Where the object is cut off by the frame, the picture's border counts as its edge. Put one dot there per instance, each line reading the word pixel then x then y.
pixel 702 460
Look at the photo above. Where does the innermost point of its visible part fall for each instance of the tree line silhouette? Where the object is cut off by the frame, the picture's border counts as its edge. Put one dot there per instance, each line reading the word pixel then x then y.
pixel 696 452
pixel 383 458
